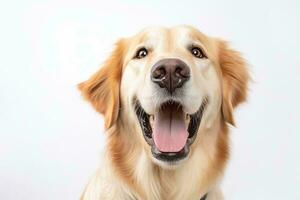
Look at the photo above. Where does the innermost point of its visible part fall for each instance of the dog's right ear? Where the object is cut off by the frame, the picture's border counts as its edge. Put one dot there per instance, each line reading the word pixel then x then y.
pixel 102 89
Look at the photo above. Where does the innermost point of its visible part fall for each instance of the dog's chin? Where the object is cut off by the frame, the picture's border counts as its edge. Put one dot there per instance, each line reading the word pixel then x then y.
pixel 169 165
pixel 169 131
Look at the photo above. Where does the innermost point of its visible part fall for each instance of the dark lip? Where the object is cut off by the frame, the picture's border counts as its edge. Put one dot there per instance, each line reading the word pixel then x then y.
pixel 195 120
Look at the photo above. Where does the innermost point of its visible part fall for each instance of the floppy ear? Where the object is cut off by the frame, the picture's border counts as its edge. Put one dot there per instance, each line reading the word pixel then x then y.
pixel 102 89
pixel 235 80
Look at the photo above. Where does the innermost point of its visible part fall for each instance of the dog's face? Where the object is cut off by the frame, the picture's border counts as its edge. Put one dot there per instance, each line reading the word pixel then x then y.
pixel 169 80
pixel 166 85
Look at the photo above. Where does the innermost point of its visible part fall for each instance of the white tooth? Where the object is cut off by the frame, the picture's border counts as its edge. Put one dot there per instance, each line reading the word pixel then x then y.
pixel 151 120
pixel 187 120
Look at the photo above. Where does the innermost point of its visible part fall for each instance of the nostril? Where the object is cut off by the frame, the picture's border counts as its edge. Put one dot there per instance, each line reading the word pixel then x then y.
pixel 182 72
pixel 178 72
pixel 159 73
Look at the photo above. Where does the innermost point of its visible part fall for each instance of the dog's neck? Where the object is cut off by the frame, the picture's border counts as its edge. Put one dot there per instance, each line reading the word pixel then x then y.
pixel 146 180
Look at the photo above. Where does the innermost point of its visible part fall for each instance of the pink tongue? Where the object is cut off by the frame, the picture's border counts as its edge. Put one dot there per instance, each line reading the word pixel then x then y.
pixel 169 131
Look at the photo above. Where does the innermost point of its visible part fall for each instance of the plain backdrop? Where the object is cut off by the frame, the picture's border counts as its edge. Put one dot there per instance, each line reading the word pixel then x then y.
pixel 50 139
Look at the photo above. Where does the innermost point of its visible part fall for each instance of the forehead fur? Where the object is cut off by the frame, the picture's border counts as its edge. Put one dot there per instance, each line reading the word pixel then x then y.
pixel 180 35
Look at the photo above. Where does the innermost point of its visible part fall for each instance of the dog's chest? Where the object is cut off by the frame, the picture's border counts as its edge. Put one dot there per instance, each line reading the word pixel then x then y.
pixel 170 185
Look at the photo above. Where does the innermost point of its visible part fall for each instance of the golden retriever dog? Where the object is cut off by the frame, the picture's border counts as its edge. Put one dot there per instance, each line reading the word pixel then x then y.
pixel 167 96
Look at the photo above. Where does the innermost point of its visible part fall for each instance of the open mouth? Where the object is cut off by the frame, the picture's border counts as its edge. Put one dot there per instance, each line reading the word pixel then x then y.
pixel 170 131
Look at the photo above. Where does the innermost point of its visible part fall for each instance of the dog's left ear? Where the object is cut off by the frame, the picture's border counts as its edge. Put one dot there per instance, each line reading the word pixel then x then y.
pixel 235 77
pixel 103 88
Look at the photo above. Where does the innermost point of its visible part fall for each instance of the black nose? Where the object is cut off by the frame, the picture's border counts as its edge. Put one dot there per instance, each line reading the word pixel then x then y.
pixel 170 73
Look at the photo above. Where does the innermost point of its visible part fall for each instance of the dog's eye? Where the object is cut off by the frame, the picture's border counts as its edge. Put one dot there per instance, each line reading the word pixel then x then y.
pixel 197 52
pixel 141 53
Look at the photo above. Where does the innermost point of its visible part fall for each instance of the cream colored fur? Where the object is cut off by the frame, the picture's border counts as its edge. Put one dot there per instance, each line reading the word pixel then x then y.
pixel 128 170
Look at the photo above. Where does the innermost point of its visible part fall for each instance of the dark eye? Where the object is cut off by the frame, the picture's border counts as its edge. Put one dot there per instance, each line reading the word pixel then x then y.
pixel 197 52
pixel 141 53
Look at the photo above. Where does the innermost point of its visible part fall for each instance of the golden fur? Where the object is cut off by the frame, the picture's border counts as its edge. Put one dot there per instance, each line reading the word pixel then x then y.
pixel 127 171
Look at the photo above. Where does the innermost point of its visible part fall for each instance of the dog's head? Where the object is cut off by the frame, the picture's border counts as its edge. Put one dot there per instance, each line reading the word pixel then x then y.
pixel 165 86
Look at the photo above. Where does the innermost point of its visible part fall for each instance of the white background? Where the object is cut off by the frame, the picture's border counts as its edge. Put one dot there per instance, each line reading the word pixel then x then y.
pixel 50 138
